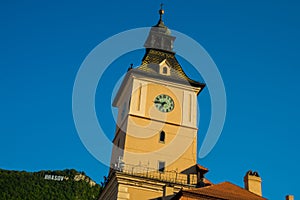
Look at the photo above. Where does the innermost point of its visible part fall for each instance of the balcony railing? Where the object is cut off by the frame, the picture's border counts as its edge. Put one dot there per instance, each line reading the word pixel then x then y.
pixel 166 176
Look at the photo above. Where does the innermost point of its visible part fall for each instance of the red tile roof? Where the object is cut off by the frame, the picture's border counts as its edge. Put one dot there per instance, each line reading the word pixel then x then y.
pixel 225 190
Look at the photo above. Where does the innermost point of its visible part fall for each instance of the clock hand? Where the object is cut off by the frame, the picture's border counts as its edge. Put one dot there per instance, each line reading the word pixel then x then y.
pixel 158 102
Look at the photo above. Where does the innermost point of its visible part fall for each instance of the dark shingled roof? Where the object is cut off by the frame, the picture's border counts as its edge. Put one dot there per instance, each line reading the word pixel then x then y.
pixel 154 57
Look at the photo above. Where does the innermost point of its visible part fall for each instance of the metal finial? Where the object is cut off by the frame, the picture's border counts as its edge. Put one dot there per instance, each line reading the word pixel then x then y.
pixel 161 11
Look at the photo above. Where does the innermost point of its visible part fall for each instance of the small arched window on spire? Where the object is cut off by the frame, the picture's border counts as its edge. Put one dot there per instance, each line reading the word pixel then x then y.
pixel 165 70
pixel 162 137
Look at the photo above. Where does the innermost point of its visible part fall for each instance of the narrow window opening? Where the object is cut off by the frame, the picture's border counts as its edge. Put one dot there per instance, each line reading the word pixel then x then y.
pixel 165 70
pixel 161 166
pixel 162 136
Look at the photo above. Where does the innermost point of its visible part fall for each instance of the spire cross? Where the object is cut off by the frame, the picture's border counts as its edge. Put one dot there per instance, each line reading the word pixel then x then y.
pixel 161 11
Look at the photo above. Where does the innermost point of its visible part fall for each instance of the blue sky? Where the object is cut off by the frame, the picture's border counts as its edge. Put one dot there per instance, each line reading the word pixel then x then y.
pixel 255 45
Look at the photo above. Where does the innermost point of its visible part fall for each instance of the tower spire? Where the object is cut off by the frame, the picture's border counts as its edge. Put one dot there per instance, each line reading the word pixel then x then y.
pixel 160 36
pixel 161 12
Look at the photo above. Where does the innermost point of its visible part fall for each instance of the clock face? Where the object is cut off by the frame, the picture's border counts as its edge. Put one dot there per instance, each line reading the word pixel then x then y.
pixel 164 103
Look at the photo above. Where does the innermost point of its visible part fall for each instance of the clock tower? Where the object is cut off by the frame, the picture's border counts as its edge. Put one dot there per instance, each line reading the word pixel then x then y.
pixel 155 143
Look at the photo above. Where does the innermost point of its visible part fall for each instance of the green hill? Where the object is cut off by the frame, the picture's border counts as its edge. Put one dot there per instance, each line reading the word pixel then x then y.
pixel 45 185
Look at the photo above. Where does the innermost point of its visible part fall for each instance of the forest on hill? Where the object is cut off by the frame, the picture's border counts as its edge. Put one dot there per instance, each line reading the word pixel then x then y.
pixel 47 185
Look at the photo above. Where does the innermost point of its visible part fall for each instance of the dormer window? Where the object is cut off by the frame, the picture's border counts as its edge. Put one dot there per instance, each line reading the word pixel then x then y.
pixel 164 68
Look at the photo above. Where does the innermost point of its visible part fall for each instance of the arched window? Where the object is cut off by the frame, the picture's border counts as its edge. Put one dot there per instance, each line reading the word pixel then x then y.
pixel 162 136
pixel 165 70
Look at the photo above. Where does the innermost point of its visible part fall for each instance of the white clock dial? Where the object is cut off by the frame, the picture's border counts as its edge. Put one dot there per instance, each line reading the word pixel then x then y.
pixel 164 103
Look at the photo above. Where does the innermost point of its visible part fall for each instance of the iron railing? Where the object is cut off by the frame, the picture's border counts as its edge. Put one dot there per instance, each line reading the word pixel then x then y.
pixel 166 176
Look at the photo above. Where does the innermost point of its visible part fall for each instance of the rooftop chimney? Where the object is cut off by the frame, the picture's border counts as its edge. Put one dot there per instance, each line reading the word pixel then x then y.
pixel 289 197
pixel 253 182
